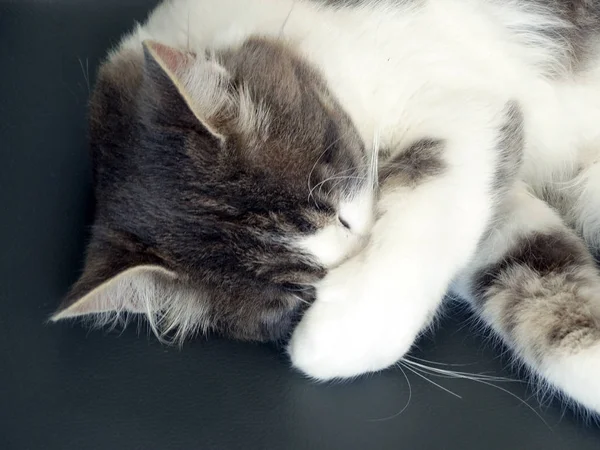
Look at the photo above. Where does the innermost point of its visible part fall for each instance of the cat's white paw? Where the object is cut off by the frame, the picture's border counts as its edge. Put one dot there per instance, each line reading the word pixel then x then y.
pixel 577 376
pixel 346 332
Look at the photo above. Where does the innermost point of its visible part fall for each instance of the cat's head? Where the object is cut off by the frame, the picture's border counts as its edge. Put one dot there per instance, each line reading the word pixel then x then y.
pixel 226 185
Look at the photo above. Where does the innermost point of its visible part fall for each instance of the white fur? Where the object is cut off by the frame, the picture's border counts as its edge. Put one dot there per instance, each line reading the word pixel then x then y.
pixel 403 71
pixel 331 244
pixel 577 375
pixel 586 210
pixel 574 372
pixel 334 243
pixel 370 310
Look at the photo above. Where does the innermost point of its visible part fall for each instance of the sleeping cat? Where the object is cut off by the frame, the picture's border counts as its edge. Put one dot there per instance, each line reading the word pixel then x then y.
pixel 329 170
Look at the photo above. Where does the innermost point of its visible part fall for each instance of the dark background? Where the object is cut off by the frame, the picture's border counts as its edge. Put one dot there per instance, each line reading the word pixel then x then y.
pixel 63 387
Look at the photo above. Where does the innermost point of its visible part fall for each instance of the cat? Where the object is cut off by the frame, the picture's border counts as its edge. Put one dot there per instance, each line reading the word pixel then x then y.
pixel 322 173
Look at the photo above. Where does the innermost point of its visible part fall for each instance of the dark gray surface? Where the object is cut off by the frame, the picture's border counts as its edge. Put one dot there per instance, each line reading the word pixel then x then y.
pixel 62 387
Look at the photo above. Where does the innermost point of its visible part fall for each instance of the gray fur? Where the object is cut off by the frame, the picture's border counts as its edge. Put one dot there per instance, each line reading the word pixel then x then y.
pixel 575 33
pixel 510 148
pixel 544 284
pixel 417 163
pixel 214 197
pixel 338 4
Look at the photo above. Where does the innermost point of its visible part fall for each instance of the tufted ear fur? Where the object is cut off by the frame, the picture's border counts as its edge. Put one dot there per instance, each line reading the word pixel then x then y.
pixel 203 85
pixel 117 281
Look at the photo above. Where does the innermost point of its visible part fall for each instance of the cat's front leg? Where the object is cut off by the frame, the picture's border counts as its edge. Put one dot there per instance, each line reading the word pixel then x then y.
pixel 437 198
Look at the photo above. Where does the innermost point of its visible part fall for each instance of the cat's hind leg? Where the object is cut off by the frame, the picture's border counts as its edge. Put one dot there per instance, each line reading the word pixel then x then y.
pixel 536 285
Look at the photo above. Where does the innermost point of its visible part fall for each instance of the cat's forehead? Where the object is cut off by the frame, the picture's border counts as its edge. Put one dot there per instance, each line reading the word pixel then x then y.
pixel 287 114
pixel 272 68
pixel 263 109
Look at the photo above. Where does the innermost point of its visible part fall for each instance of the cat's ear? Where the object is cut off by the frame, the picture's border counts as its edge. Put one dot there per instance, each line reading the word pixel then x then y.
pixel 115 282
pixel 202 85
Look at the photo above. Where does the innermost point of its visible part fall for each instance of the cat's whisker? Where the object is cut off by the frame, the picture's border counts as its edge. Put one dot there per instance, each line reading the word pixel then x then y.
pixel 301 300
pixel 308 182
pixel 428 380
pixel 458 374
pixel 319 159
pixel 374 163
pixel 479 378
pixel 352 169
pixel 341 178
pixel 86 73
pixel 212 157
pixel 405 407
pixel 333 186
pixel 303 289
pixel 408 357
pixel 287 18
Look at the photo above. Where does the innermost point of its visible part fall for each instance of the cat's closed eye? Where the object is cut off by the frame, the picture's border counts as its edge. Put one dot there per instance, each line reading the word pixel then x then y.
pixel 215 196
pixel 344 223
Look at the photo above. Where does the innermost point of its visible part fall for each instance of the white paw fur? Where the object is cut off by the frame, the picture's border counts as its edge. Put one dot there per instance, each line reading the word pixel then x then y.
pixel 345 334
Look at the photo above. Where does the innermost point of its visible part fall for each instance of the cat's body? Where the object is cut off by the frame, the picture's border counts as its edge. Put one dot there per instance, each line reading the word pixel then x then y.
pixel 478 113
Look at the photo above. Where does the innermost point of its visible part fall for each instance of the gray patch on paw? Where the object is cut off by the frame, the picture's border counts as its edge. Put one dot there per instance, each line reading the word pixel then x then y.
pixel 543 291
pixel 417 163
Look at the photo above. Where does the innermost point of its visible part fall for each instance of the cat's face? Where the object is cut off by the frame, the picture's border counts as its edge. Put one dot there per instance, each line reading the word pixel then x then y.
pixel 226 187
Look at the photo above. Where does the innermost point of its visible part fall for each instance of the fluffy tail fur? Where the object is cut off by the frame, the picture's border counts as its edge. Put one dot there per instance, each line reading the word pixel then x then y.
pixel 537 286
